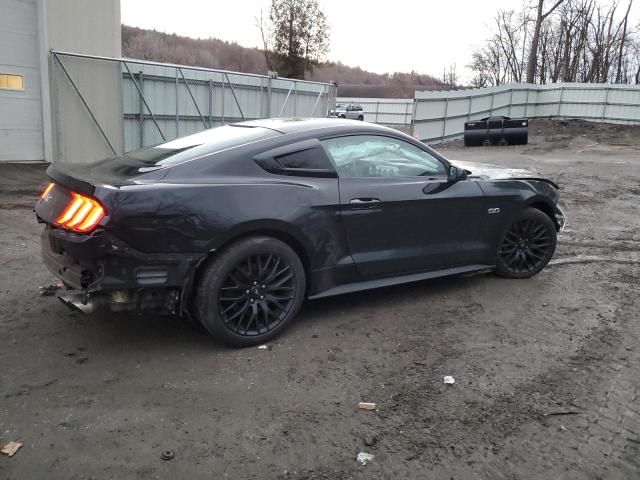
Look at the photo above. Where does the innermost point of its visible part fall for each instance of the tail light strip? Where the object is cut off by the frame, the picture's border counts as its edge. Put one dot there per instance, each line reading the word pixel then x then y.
pixel 82 214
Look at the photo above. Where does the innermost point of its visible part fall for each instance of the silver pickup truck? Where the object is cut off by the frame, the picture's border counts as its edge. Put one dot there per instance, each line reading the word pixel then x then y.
pixel 351 111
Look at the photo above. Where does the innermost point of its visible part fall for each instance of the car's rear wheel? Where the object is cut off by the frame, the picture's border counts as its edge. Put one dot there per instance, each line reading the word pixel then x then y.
pixel 251 291
pixel 527 245
pixel 361 118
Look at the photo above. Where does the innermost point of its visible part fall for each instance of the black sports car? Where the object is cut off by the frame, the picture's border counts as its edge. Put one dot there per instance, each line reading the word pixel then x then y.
pixel 237 225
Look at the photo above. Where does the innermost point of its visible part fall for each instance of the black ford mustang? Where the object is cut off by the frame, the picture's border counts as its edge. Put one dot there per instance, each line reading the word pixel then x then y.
pixel 237 225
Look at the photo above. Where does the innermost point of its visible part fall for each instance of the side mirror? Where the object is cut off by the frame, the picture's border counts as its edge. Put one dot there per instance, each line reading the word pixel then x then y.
pixel 456 173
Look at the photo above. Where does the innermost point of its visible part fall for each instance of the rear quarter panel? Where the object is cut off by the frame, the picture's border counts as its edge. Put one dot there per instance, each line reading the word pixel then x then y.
pixel 201 217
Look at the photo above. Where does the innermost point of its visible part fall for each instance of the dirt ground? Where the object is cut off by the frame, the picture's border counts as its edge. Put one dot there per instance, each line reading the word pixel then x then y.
pixel 546 369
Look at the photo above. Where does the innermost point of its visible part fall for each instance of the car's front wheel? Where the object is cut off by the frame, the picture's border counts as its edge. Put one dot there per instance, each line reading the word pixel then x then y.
pixel 527 245
pixel 251 291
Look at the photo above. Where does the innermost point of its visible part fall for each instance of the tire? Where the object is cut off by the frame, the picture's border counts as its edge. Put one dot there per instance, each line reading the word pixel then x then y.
pixel 361 118
pixel 234 304
pixel 343 116
pixel 527 245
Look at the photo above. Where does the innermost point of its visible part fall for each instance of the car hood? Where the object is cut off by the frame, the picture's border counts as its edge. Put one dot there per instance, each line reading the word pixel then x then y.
pixel 486 171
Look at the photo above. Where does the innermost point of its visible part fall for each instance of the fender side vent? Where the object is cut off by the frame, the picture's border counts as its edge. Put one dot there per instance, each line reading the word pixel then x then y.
pixel 154 276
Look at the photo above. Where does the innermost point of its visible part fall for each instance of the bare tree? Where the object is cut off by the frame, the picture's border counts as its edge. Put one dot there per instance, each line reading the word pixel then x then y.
pixel 533 50
pixel 264 35
pixel 623 39
pixel 578 40
pixel 450 76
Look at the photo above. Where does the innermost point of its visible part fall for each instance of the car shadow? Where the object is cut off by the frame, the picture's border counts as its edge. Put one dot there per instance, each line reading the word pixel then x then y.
pixel 397 295
pixel 148 332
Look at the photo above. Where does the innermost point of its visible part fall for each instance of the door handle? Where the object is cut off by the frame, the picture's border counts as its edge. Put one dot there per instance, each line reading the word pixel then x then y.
pixel 364 202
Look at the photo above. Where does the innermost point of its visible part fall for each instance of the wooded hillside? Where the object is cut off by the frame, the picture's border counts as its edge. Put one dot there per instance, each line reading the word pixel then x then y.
pixel 215 53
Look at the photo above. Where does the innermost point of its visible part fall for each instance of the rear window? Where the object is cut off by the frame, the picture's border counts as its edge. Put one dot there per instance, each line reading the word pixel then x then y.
pixel 202 143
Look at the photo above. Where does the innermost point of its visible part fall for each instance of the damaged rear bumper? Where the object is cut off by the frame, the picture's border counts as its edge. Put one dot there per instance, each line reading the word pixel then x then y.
pixel 99 270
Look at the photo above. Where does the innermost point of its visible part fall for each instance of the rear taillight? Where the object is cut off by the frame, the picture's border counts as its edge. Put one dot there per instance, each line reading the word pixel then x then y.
pixel 47 190
pixel 82 214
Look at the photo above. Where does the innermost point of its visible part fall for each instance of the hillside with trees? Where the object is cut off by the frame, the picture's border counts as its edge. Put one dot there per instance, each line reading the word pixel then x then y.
pixel 215 53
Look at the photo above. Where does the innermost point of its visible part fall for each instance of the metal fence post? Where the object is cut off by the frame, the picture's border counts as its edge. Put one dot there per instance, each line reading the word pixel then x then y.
pixel 210 103
pixel 469 110
pixel 605 104
pixel 560 102
pixel 141 109
pixel 55 100
pixel 444 119
pixel 177 107
pixel 326 103
pixel 526 105
pixel 295 98
pixel 262 98
pixel 122 110
pixel 222 112
pixel 510 99
pixel 412 127
pixel 269 92
pixel 493 97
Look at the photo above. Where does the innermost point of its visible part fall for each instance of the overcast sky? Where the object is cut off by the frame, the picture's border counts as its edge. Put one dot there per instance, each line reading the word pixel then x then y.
pixel 377 35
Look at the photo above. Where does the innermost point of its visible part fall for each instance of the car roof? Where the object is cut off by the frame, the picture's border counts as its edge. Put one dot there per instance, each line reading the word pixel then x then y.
pixel 298 125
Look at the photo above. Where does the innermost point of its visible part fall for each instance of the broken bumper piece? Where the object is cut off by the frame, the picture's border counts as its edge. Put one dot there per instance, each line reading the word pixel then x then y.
pixel 99 271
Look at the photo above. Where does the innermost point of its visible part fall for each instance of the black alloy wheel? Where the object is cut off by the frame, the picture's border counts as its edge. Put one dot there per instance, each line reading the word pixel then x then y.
pixel 257 294
pixel 527 245
pixel 250 291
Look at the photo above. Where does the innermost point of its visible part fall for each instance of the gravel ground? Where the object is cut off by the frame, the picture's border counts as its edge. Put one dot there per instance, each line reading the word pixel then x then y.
pixel 546 369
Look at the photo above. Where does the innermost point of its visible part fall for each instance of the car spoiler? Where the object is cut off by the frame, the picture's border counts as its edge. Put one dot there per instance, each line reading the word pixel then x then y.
pixel 59 175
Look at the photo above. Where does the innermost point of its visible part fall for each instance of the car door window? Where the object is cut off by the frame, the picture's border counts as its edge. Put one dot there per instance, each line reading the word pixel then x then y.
pixel 379 156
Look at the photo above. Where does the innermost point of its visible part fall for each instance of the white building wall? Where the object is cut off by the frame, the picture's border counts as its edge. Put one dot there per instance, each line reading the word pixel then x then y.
pixel 21 125
pixel 28 30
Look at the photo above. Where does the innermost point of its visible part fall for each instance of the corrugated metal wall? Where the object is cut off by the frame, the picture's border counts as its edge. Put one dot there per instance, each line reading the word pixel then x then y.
pixel 163 101
pixel 386 111
pixel 185 100
pixel 440 116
